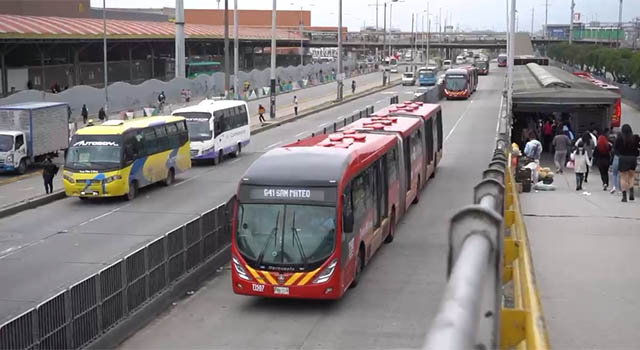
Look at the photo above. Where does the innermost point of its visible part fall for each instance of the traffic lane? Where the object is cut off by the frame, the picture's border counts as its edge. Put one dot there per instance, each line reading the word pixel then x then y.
pixel 631 116
pixel 400 290
pixel 155 211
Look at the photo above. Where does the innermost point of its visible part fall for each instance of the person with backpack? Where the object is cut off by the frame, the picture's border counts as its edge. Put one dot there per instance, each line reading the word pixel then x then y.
pixel 102 115
pixel 261 114
pixel 48 172
pixel 533 148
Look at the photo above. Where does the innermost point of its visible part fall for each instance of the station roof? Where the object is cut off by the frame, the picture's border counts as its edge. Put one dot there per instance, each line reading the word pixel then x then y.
pixel 568 89
pixel 43 27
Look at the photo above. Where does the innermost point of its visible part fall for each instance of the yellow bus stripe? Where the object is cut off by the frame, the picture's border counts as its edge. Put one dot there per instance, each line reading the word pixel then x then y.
pixel 308 277
pixel 269 277
pixel 255 274
pixel 293 278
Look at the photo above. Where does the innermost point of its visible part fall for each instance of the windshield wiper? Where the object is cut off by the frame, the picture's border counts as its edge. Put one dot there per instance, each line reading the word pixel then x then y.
pixel 296 238
pixel 274 234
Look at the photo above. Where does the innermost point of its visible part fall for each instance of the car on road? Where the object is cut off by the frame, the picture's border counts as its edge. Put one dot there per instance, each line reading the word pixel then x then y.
pixel 421 90
pixel 446 64
pixel 408 78
pixel 460 60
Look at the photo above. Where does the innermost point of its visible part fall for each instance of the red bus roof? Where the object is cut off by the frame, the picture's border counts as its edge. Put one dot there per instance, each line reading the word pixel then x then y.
pixel 323 160
pixel 598 82
pixel 425 110
pixel 402 125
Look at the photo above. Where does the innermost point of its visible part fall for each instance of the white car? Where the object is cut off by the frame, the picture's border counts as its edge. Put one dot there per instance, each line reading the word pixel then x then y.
pixel 446 64
pixel 421 90
pixel 408 78
pixel 460 60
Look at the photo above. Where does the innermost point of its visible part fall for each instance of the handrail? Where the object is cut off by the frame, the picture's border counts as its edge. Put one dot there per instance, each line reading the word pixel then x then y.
pixel 488 247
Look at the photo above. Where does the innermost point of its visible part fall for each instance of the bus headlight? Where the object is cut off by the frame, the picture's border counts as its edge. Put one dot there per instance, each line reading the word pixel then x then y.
pixel 112 178
pixel 9 159
pixel 69 179
pixel 327 272
pixel 242 273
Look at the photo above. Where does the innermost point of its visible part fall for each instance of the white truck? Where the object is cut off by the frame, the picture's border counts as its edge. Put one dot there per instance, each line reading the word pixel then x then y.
pixel 30 131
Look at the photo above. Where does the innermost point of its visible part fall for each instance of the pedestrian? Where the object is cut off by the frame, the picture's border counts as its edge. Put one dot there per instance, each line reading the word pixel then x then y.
pixel 295 105
pixel 188 95
pixel 602 155
pixel 588 142
pixel 615 179
pixel 48 172
pixel 85 114
pixel 581 161
pixel 353 86
pixel 261 114
pixel 533 148
pixel 627 149
pixel 547 136
pixel 102 115
pixel 561 144
pixel 162 99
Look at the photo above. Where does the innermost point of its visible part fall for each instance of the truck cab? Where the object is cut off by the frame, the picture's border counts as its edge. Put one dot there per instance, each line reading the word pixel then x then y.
pixel 13 151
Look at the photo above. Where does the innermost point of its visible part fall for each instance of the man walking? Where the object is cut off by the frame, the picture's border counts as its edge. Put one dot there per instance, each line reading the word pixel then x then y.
pixel 48 172
pixel 85 114
pixel 295 105
pixel 261 114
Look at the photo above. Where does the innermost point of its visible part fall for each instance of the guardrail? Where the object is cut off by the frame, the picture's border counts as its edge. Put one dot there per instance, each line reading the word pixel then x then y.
pixel 490 300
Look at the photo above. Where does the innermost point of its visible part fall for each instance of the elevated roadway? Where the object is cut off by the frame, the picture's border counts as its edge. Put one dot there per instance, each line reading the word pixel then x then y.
pixel 400 290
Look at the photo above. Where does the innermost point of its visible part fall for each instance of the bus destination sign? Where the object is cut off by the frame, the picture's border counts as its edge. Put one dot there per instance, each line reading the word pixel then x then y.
pixel 316 194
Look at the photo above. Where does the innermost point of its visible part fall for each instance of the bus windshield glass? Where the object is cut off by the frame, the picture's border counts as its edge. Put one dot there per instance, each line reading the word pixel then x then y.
pixel 94 152
pixel 426 74
pixel 482 65
pixel 455 82
pixel 198 125
pixel 502 58
pixel 6 143
pixel 285 234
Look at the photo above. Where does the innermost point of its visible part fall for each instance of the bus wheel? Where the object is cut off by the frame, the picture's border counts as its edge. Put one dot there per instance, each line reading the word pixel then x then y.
pixel 433 174
pixel 359 267
pixel 133 191
pixel 237 151
pixel 392 228
pixel 218 159
pixel 171 176
pixel 416 199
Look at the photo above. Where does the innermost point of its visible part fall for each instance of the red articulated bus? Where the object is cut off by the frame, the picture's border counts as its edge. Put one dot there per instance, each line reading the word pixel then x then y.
pixel 616 114
pixel 473 78
pixel 457 83
pixel 310 215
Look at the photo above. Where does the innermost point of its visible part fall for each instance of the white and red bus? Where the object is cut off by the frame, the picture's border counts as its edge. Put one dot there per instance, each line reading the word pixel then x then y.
pixel 458 83
pixel 616 114
pixel 502 60
pixel 310 215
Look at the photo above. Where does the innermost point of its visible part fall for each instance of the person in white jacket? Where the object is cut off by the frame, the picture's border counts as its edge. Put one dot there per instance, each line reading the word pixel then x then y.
pixel 581 161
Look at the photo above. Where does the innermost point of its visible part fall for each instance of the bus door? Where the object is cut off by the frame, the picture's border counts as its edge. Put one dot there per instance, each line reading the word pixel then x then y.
pixel 406 155
pixel 402 175
pixel 347 239
pixel 429 138
pixel 439 136
pixel 395 197
pixel 380 196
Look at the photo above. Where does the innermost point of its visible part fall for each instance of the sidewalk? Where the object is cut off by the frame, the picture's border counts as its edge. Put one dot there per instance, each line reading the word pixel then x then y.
pixel 16 189
pixel 584 246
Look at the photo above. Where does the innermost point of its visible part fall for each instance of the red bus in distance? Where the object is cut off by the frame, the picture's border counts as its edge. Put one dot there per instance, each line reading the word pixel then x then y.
pixel 616 114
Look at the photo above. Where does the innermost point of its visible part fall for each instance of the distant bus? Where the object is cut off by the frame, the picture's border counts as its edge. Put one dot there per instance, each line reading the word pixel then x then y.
pixel 483 67
pixel 198 68
pixel 391 64
pixel 427 76
pixel 119 157
pixel 502 60
pixel 457 83
pixel 216 128
pixel 616 114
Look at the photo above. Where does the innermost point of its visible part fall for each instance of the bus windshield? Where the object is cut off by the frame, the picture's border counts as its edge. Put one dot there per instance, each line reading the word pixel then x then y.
pixel 94 152
pixel 502 58
pixel 198 125
pixel 455 82
pixel 285 234
pixel 482 64
pixel 426 74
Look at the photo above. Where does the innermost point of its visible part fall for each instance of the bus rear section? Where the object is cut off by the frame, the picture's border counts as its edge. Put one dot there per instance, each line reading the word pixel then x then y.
pixel 616 113
pixel 310 215
pixel 119 157
pixel 456 84
pixel 502 60
pixel 217 128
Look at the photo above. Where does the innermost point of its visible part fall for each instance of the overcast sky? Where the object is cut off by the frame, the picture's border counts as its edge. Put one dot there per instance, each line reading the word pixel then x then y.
pixel 467 14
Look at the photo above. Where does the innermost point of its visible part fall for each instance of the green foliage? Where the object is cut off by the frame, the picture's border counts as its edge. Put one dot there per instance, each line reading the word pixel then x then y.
pixel 599 59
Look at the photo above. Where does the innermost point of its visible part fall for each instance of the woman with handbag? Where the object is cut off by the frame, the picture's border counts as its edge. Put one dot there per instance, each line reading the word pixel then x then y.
pixel 627 149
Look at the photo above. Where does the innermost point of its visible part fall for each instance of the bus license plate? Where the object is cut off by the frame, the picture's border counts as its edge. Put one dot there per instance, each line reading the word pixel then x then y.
pixel 281 290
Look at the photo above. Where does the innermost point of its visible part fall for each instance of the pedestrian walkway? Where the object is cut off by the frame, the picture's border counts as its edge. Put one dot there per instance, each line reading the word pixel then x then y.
pixel 584 246
pixel 15 189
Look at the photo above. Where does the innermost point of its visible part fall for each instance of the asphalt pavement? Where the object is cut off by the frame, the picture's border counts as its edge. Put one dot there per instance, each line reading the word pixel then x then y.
pixel 46 249
pixel 400 289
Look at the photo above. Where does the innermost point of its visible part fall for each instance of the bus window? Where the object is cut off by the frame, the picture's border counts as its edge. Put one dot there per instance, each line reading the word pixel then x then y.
pixel 392 164
pixel 428 140
pixel 439 129
pixel 407 162
pixel 218 125
pixel 183 135
pixel 150 142
pixel 161 137
pixel 174 138
pixel 375 193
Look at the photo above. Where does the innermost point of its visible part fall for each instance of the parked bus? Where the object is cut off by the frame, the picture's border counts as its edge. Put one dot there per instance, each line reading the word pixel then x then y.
pixel 616 114
pixel 310 215
pixel 119 157
pixel 502 60
pixel 216 128
pixel 198 68
pixel 457 83
pixel 427 76
pixel 483 67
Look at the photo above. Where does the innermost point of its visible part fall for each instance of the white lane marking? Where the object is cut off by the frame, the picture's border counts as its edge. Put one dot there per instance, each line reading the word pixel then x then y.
pixel 301 133
pixel 273 145
pixel 379 101
pixel 187 180
pixel 323 125
pixel 235 160
pixel 457 122
pixel 104 215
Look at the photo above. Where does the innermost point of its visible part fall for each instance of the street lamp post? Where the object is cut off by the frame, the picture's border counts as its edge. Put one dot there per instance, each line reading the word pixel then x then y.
pixel 619 24
pixel 226 47
pixel 339 75
pixel 180 64
pixel 512 21
pixel 301 36
pixel 104 54
pixel 272 92
pixel 236 48
pixel 573 4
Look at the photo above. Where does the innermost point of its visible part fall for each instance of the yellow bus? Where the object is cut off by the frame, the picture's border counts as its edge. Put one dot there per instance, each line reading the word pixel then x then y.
pixel 119 157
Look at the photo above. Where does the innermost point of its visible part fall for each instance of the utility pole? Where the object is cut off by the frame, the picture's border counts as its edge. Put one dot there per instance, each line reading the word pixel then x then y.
pixel 390 29
pixel 377 15
pixel 180 57
pixel 340 77
pixel 301 37
pixel 428 32
pixel 573 4
pixel 619 24
pixel 532 12
pixel 104 54
pixel 546 18
pixel 422 39
pixel 272 92
pixel 226 48
pixel 384 43
pixel 412 38
pixel 236 48
pixel 512 24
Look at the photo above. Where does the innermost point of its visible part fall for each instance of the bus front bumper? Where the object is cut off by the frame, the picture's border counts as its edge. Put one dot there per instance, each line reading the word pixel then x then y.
pixel 97 188
pixel 311 291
